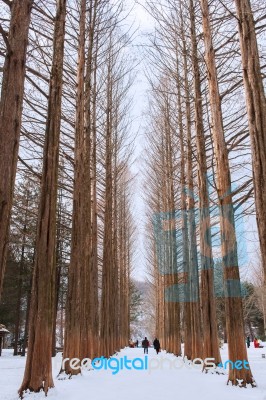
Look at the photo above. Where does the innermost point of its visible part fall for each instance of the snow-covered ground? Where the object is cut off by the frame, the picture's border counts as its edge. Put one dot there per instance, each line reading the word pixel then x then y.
pixel 164 383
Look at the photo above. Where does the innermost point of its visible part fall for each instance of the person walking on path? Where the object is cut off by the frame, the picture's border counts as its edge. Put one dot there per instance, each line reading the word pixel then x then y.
pixel 248 342
pixel 145 345
pixel 156 345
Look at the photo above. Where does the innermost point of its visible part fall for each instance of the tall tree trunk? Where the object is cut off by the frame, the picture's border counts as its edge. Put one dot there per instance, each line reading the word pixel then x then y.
pixel 121 263
pixel 80 335
pixel 107 306
pixel 26 327
pixel 27 321
pixel 172 306
pixel 167 265
pixel 38 371
pixel 124 262
pixel 256 108
pixel 94 229
pixel 18 307
pixel 115 275
pixel 193 254
pixel 21 270
pixel 209 321
pixel 88 272
pixel 58 268
pixel 185 267
pixel 10 115
pixel 233 300
pixel 73 308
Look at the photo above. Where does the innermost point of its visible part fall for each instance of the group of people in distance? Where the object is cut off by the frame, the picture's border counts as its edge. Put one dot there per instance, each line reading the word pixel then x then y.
pixel 146 344
pixel 157 346
pixel 257 343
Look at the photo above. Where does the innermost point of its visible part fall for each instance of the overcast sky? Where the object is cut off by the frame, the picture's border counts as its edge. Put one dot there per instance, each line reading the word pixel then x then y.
pixel 143 24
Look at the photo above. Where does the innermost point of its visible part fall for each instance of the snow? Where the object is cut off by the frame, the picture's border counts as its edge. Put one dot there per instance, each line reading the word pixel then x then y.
pixel 182 383
pixel 3 330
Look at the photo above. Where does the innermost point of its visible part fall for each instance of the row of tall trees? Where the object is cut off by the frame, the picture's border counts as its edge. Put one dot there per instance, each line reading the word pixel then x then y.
pixel 70 146
pixel 202 140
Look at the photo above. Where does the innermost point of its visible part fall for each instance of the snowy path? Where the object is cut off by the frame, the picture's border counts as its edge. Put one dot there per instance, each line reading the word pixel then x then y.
pixel 157 384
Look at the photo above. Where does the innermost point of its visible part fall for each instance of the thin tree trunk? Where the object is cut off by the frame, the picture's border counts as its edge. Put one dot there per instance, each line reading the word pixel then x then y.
pixel 115 276
pixel 166 245
pixel 193 256
pixel 10 115
pixel 26 328
pixel 185 269
pixel 173 306
pixel 73 308
pixel 58 269
pixel 27 321
pixel 106 333
pixel 21 270
pixel 94 229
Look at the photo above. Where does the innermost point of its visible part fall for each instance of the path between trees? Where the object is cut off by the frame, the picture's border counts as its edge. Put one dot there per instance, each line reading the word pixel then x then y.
pixel 164 383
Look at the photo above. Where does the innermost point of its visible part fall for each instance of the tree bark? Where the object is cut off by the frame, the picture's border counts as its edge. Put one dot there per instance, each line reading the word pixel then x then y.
pixel 209 321
pixel 59 261
pixel 185 256
pixel 72 338
pixel 26 327
pixel 233 300
pixel 256 110
pixel 38 370
pixel 10 115
pixel 172 306
pixel 82 303
pixel 107 306
pixel 21 270
pixel 94 229
pixel 193 256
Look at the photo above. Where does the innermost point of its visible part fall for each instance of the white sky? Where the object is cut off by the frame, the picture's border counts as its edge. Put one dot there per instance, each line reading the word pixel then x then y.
pixel 142 23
